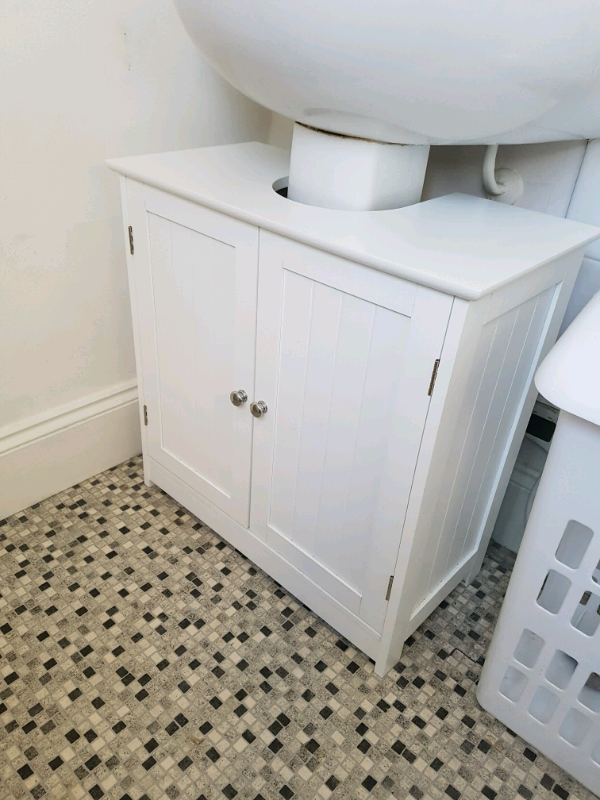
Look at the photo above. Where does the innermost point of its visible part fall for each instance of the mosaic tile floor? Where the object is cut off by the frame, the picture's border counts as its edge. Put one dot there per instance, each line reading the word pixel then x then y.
pixel 142 658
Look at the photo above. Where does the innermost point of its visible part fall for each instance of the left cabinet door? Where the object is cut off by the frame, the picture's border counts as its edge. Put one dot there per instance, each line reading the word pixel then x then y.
pixel 195 275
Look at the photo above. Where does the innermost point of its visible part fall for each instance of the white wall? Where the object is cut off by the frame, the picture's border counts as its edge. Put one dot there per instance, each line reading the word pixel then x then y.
pixel 549 171
pixel 585 207
pixel 81 82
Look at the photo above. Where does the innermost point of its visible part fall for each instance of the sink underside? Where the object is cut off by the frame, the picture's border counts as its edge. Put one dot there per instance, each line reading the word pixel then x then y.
pixel 412 71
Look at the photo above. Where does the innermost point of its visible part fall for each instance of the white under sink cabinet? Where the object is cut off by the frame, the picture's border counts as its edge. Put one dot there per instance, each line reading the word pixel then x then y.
pixel 339 395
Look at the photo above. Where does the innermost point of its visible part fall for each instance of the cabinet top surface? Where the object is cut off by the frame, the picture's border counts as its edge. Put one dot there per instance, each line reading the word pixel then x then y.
pixel 459 244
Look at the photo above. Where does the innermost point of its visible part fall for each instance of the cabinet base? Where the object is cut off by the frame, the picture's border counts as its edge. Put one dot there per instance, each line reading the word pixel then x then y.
pixel 361 635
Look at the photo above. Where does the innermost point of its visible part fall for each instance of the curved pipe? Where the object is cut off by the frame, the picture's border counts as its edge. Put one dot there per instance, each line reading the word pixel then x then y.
pixel 490 183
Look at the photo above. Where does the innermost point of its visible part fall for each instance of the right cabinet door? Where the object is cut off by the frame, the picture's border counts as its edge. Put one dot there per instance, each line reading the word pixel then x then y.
pixel 345 356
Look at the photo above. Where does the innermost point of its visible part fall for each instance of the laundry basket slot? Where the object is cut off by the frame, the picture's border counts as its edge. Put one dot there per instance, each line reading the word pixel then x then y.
pixel 543 704
pixel 513 684
pixel 587 614
pixel 574 727
pixel 561 669
pixel 590 694
pixel 553 592
pixel 528 649
pixel 574 544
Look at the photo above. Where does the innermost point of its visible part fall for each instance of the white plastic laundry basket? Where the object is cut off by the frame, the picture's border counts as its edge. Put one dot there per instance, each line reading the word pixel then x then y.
pixel 542 673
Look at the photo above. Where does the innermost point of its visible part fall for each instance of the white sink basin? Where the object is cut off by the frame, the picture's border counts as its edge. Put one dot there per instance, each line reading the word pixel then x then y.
pixel 412 71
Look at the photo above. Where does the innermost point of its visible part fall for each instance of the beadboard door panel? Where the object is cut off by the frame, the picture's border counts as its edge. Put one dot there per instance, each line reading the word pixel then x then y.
pixel 521 359
pixel 346 383
pixel 197 297
pixel 502 371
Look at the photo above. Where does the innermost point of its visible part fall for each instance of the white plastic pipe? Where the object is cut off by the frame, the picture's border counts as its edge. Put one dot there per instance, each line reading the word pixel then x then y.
pixel 490 184
pixel 504 184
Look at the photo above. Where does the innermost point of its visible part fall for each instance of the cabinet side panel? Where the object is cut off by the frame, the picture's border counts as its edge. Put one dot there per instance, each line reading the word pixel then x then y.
pixel 446 532
pixel 491 451
pixel 500 375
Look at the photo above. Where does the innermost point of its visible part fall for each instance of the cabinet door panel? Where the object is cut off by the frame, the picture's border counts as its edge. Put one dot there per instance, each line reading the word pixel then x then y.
pixel 346 381
pixel 196 274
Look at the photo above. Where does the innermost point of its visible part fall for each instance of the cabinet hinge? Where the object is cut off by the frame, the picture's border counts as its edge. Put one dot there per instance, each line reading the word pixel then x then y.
pixel 145 415
pixel 389 589
pixel 436 366
pixel 131 240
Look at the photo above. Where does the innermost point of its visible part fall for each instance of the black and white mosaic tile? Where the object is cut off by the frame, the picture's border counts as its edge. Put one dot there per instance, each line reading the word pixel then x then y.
pixel 143 658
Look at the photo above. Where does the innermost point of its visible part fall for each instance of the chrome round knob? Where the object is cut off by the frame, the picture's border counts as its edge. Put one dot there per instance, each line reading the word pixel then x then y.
pixel 258 409
pixel 239 397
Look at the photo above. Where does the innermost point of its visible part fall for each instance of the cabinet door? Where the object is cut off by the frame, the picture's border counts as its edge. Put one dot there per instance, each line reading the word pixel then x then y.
pixel 195 279
pixel 344 363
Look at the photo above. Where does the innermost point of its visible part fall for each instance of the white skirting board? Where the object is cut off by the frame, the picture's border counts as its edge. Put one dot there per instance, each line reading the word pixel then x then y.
pixel 50 452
